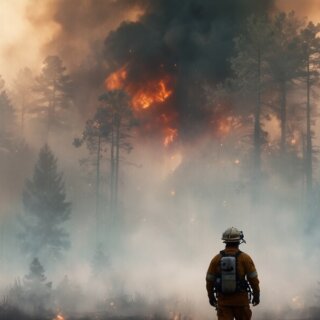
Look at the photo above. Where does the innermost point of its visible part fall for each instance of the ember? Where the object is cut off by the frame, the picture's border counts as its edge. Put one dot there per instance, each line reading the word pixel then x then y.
pixel 59 317
pixel 170 136
pixel 225 126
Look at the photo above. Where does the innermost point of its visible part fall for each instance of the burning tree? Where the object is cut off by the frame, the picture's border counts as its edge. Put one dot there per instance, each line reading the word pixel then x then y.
pixel 45 210
pixel 54 91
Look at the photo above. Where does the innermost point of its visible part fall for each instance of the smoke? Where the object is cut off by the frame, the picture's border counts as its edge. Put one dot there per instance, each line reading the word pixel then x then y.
pixel 309 8
pixel 189 41
pixel 81 24
pixel 175 202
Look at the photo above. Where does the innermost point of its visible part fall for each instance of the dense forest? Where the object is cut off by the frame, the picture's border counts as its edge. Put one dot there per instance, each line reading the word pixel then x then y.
pixel 131 145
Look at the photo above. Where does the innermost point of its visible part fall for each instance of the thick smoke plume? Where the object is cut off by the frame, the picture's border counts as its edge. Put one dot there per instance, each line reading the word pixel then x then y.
pixel 75 37
pixel 189 42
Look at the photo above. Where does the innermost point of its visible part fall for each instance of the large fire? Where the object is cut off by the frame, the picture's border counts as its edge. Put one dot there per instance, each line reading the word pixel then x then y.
pixel 155 91
pixel 144 96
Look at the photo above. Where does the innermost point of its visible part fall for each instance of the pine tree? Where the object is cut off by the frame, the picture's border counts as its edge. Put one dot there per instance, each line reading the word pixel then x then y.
pixel 45 209
pixel 68 296
pixel 95 135
pixel 37 291
pixel 311 74
pixel 118 118
pixel 54 89
pixel 252 78
pixel 23 95
pixel 285 64
pixel 6 120
pixel 35 275
pixel 108 130
pixel 100 263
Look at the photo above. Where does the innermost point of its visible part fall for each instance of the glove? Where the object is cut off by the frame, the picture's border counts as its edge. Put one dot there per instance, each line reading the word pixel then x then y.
pixel 256 298
pixel 213 301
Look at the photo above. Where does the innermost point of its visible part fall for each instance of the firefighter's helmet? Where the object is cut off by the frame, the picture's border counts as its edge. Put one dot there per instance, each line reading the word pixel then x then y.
pixel 233 235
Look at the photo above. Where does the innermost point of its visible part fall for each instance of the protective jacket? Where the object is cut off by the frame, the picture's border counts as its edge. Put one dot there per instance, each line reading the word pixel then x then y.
pixel 245 271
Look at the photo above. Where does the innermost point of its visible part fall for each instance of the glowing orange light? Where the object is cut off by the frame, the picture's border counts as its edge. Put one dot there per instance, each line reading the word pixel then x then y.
pixel 154 93
pixel 170 136
pixel 293 141
pixel 59 317
pixel 164 93
pixel 142 100
pixel 224 126
pixel 145 95
pixel 116 80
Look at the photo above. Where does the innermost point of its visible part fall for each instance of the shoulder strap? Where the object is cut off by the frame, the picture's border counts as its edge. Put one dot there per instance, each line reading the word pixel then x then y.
pixel 222 252
pixel 238 254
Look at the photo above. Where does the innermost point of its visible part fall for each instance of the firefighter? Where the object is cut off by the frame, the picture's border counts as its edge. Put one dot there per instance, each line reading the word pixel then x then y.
pixel 232 279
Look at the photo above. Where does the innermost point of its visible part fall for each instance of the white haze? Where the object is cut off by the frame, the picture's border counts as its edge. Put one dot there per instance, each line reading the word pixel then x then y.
pixel 168 239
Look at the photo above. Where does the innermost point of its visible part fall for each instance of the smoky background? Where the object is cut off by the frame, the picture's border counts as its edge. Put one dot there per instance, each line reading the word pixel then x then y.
pixel 171 229
pixel 175 202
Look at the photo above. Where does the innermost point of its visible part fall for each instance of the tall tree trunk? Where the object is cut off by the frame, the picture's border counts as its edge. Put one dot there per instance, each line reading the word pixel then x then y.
pixel 98 220
pixel 23 109
pixel 283 117
pixel 117 160
pixel 51 110
pixel 257 126
pixel 112 163
pixel 309 182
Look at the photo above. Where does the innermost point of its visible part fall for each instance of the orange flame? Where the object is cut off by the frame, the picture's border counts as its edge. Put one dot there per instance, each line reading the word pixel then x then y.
pixel 170 136
pixel 142 100
pixel 116 80
pixel 59 316
pixel 144 96
pixel 155 93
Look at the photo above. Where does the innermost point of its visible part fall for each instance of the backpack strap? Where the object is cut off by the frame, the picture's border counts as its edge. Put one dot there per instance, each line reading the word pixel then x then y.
pixel 224 254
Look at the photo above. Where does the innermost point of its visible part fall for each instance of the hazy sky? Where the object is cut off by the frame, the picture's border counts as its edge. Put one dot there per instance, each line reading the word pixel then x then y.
pixel 28 26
